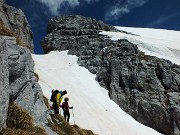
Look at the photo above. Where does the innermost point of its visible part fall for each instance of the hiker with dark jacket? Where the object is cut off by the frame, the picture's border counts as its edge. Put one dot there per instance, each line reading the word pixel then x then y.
pixel 65 107
pixel 56 98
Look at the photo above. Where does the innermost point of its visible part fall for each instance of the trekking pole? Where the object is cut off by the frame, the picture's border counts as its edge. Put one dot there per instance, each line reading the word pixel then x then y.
pixel 73 116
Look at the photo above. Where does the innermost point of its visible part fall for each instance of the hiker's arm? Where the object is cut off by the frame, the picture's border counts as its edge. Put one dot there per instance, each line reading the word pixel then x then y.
pixel 71 107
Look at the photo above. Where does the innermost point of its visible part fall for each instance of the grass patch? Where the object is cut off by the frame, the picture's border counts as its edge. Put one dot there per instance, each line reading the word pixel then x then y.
pixel 13 131
pixel 37 76
pixel 61 127
pixel 142 56
pixel 82 131
pixel 20 42
pixel 46 102
pixel 20 122
pixel 7 32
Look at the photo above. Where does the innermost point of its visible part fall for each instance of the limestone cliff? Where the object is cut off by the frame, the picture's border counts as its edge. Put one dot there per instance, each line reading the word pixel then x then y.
pixel 146 87
pixel 17 78
pixel 15 20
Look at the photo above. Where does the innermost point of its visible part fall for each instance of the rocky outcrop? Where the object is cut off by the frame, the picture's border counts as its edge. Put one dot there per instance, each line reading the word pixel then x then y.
pixel 4 83
pixel 146 87
pixel 24 88
pixel 77 23
pixel 74 26
pixel 15 20
pixel 142 86
pixel 17 80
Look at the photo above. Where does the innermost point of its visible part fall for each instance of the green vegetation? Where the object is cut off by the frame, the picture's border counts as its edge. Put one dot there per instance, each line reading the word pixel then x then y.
pixel 20 122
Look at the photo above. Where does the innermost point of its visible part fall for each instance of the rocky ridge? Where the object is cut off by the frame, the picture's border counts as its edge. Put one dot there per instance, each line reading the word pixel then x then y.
pixel 146 87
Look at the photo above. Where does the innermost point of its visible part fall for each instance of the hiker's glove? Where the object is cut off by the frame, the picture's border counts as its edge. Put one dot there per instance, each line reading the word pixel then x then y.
pixel 72 107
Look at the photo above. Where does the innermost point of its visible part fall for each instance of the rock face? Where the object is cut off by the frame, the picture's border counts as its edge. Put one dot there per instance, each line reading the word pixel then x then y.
pixel 15 20
pixel 4 83
pixel 74 26
pixel 146 87
pixel 17 78
pixel 24 88
pixel 19 84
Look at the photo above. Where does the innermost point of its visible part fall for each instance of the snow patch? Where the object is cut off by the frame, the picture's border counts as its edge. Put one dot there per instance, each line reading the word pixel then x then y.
pixel 93 109
pixel 155 42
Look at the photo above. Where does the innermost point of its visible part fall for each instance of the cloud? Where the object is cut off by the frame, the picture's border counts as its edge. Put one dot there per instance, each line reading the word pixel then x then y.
pixel 163 19
pixel 122 7
pixel 58 5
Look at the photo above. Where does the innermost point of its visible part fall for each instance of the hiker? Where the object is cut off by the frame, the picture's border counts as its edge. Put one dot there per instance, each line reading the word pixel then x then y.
pixel 56 98
pixel 65 107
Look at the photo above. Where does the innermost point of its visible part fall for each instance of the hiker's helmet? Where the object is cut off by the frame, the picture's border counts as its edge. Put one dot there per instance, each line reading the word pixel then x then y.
pixel 66 99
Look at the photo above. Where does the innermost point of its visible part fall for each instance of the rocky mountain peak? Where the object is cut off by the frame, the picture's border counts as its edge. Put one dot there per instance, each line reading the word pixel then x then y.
pixel 72 22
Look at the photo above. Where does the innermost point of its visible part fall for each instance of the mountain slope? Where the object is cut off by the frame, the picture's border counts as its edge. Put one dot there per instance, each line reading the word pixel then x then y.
pixel 144 86
pixel 155 42
pixel 93 109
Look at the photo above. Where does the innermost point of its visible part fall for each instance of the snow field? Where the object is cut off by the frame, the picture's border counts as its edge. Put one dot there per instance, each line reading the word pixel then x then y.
pixel 93 109
pixel 155 42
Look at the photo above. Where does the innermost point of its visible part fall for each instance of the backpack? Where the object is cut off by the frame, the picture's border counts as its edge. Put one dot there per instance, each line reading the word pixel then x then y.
pixel 53 99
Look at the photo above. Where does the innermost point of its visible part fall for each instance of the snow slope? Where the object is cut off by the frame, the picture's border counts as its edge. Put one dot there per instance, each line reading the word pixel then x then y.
pixel 155 42
pixel 93 109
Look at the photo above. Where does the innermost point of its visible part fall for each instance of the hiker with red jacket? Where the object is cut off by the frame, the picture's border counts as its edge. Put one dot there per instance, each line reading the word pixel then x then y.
pixel 65 107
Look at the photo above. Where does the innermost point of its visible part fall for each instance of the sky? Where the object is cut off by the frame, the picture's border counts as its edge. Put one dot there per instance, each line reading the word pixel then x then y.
pixel 92 107
pixel 161 14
